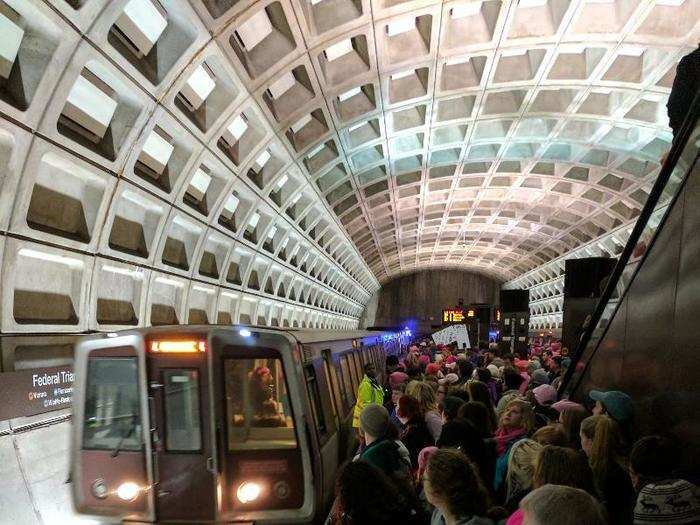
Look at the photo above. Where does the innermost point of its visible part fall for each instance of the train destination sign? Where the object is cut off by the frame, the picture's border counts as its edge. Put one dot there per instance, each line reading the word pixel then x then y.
pixel 456 315
pixel 31 392
pixel 453 315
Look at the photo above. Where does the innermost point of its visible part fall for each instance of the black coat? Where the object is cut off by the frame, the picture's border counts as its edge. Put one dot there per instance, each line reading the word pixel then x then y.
pixel 685 87
pixel 416 437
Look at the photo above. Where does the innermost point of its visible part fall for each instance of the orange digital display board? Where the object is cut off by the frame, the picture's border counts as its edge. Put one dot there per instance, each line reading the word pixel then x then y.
pixel 457 315
pixel 453 315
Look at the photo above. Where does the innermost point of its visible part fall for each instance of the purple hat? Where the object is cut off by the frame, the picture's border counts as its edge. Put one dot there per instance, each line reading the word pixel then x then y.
pixel 545 394
pixel 563 404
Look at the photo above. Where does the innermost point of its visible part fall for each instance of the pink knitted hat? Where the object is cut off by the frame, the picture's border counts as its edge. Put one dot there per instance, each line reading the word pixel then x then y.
pixel 562 405
pixel 424 456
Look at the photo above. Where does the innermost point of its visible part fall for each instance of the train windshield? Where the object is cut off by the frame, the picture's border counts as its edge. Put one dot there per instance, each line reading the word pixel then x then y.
pixel 258 410
pixel 112 415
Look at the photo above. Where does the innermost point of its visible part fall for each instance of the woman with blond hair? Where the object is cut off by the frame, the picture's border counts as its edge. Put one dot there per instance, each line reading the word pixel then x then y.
pixel 425 394
pixel 602 441
pixel 517 422
pixel 559 466
pixel 521 467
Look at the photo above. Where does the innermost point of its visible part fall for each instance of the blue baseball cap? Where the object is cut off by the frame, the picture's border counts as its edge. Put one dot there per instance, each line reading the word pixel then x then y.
pixel 618 404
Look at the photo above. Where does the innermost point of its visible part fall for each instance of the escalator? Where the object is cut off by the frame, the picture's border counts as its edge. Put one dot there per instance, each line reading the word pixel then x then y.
pixel 644 335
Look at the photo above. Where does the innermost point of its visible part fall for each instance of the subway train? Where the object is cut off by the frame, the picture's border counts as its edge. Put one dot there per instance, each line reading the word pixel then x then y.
pixel 216 424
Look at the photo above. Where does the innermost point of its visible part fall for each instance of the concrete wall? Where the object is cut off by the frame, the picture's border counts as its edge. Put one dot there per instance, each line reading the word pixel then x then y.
pixel 651 347
pixel 421 296
pixel 369 314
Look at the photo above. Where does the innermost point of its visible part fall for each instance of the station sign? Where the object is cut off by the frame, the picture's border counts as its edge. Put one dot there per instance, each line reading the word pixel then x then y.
pixel 30 392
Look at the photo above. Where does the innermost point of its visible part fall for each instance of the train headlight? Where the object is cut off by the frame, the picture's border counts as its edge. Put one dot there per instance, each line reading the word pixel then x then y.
pixel 99 489
pixel 248 491
pixel 128 491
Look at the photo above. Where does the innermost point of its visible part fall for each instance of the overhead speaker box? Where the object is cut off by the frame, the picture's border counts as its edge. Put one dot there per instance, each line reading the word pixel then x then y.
pixel 584 282
pixel 587 277
pixel 515 300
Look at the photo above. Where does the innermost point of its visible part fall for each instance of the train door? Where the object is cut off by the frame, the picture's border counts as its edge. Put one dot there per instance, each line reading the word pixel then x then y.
pixel 319 390
pixel 332 381
pixel 263 433
pixel 183 458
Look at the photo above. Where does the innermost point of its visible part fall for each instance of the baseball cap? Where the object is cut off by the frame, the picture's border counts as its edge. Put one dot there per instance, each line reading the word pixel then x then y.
pixel 618 404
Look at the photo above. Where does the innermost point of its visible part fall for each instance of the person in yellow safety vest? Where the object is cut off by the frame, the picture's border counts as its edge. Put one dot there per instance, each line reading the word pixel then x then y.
pixel 368 392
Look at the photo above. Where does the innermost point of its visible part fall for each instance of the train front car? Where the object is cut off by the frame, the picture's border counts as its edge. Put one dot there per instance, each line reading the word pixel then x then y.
pixel 193 426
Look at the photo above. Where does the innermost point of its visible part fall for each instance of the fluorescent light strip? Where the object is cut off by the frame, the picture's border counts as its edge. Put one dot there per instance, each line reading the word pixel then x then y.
pixel 136 273
pixel 43 256
pixel 515 52
pixel 357 126
pixel 255 218
pixel 169 282
pixel 456 61
pixel 11 40
pixel 463 10
pixel 349 94
pixel 254 30
pixel 400 26
pixel 198 87
pixel 156 152
pixel 142 23
pixel 231 204
pixel 301 123
pixel 200 181
pixel 318 149
pixel 283 180
pixel 282 85
pixel 632 51
pixel 262 159
pixel 238 127
pixel 403 74
pixel 531 3
pixel 339 49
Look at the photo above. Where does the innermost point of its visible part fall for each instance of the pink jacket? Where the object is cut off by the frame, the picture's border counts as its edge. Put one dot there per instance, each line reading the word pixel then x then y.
pixel 516 518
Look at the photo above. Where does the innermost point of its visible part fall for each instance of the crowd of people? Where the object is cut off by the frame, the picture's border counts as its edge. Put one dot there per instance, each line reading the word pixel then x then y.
pixel 479 437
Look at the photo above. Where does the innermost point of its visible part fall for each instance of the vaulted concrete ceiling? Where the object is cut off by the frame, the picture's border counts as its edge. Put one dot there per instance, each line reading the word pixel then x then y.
pixel 274 161
pixel 487 135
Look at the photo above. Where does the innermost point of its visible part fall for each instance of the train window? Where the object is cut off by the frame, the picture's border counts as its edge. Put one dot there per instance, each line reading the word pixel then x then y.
pixel 183 431
pixel 315 396
pixel 258 409
pixel 353 371
pixel 332 380
pixel 112 415
pixel 359 373
pixel 348 387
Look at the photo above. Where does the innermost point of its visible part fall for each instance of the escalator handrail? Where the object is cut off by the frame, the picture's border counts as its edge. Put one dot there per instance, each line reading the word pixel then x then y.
pixel 657 190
